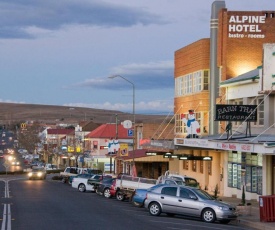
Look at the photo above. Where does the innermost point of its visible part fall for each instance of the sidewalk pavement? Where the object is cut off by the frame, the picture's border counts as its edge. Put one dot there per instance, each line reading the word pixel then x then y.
pixel 251 220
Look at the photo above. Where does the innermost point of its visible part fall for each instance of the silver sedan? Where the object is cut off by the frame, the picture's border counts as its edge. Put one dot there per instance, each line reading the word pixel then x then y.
pixel 188 201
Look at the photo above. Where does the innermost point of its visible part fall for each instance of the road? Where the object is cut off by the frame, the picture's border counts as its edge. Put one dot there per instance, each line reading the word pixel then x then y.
pixel 49 204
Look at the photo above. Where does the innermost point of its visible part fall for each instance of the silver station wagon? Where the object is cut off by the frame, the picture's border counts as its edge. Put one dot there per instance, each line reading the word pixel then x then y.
pixel 188 201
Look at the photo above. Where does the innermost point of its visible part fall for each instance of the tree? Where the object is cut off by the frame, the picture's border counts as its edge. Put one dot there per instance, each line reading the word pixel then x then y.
pixel 28 138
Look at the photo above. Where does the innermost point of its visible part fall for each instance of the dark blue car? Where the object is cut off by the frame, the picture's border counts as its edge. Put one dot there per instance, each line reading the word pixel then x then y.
pixel 140 195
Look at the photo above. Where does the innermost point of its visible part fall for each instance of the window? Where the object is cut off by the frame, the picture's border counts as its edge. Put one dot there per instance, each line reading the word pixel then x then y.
pixel 260 111
pixel 185 165
pixel 205 79
pixel 179 86
pixel 194 166
pixel 178 124
pixel 201 166
pixel 95 144
pixel 209 167
pixel 192 83
pixel 184 193
pixel 197 81
pixel 188 84
pixel 170 191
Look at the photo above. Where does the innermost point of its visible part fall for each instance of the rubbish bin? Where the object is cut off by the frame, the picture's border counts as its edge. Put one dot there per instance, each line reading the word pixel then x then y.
pixel 267 208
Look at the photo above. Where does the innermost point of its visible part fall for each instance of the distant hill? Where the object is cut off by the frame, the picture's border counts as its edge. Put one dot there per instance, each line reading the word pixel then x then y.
pixel 13 112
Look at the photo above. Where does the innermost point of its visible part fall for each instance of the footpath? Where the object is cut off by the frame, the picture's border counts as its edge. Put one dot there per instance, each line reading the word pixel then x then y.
pixel 251 220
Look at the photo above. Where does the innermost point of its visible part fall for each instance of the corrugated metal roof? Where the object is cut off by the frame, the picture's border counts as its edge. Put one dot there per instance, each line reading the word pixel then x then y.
pixel 251 75
pixel 109 131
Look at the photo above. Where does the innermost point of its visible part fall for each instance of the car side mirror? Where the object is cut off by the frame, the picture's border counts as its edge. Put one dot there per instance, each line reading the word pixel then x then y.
pixel 193 197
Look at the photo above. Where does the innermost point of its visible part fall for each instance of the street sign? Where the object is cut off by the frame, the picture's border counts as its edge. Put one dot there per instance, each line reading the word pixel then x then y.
pixel 130 132
pixel 6 165
pixel 127 124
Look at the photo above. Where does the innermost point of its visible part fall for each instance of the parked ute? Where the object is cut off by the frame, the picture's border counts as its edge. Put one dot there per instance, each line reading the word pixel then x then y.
pixel 74 171
pixel 188 181
pixel 126 185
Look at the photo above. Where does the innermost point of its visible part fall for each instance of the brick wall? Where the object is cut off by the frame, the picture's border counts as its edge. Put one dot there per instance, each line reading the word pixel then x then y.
pixel 192 58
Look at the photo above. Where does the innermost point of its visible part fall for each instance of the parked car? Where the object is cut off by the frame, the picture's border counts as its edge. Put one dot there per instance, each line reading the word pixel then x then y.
pixel 96 180
pixel 82 184
pixel 188 201
pixel 140 194
pixel 104 186
pixel 51 167
pixel 113 188
pixel 83 175
pixel 90 184
pixel 37 173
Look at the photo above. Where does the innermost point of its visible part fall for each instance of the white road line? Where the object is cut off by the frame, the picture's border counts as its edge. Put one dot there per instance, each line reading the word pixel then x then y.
pixel 6 223
pixel 9 217
pixel 7 191
pixel 4 217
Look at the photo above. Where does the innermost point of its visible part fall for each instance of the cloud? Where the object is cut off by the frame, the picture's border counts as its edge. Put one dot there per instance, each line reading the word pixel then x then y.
pixel 150 107
pixel 145 76
pixel 17 16
pixel 11 101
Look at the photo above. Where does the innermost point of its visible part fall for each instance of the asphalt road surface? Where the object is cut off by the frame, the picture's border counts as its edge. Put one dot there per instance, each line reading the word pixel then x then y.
pixel 52 205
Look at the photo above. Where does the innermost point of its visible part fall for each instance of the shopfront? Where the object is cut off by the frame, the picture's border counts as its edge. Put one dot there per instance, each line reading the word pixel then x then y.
pixel 245 169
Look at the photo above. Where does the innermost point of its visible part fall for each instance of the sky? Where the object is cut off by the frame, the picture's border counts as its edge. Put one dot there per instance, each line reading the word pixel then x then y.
pixel 63 52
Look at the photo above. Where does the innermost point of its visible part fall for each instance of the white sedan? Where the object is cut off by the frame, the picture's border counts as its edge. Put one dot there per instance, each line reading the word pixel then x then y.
pixel 82 184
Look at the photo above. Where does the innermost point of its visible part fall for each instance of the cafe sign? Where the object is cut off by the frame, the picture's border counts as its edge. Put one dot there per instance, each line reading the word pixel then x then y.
pixel 236 113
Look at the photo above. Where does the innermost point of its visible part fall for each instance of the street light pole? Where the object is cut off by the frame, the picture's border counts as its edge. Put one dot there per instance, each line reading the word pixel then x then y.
pixel 134 113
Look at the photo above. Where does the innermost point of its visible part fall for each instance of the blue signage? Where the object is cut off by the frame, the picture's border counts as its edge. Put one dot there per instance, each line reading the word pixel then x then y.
pixel 130 133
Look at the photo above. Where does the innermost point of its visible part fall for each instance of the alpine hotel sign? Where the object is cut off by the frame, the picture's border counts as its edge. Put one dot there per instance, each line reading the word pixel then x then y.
pixel 236 112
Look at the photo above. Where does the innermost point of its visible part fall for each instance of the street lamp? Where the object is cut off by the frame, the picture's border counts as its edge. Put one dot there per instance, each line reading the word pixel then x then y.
pixel 134 115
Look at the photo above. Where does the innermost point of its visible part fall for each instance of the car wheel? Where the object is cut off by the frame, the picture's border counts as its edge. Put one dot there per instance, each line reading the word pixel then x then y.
pixel 107 193
pixel 63 180
pixel 224 221
pixel 154 209
pixel 208 215
pixel 137 204
pixel 120 196
pixel 81 188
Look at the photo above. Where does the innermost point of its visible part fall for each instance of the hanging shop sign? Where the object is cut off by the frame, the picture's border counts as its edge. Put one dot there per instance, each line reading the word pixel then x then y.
pixel 236 112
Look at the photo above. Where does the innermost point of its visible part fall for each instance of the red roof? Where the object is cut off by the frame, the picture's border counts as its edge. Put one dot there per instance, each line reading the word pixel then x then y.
pixel 109 131
pixel 60 131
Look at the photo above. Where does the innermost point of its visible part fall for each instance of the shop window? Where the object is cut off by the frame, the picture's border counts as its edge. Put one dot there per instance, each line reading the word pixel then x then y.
pixel 246 169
